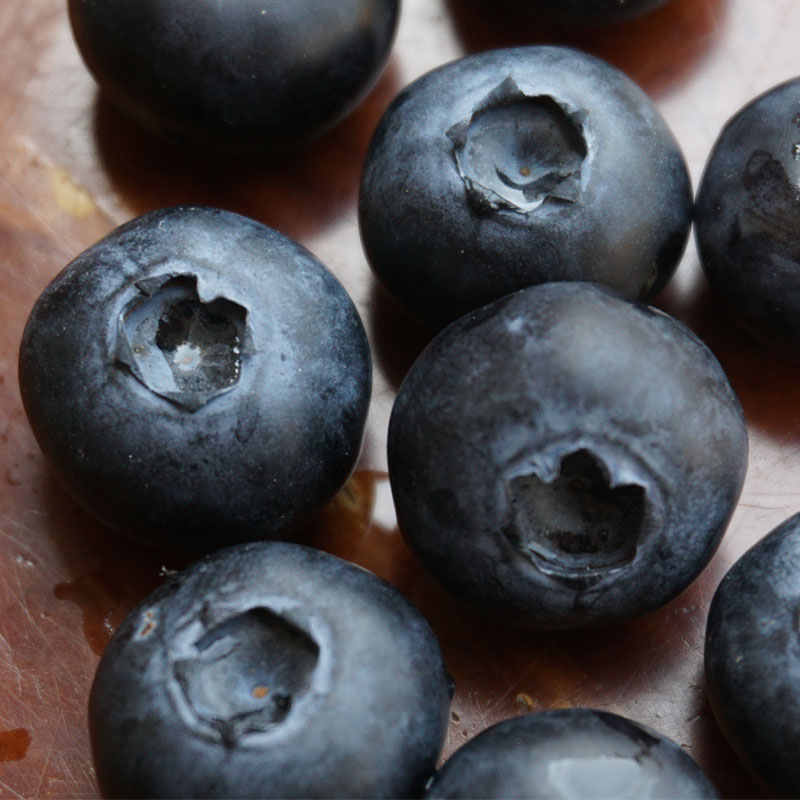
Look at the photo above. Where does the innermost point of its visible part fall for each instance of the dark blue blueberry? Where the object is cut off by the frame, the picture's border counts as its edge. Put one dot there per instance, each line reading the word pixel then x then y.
pixel 246 75
pixel 516 167
pixel 197 379
pixel 748 218
pixel 269 670
pixel 564 456
pixel 571 754
pixel 752 657
pixel 586 12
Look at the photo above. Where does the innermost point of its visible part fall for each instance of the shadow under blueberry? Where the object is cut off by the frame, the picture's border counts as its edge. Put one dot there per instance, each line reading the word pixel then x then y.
pixel 109 573
pixel 717 756
pixel 657 50
pixel 501 672
pixel 767 383
pixel 358 525
pixel 299 192
pixel 396 338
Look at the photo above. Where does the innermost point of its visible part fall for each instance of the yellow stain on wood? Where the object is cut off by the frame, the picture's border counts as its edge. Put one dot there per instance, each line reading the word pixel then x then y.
pixel 71 197
pixel 526 701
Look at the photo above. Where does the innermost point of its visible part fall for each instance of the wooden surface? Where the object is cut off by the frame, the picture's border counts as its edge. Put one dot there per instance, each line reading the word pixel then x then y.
pixel 72 169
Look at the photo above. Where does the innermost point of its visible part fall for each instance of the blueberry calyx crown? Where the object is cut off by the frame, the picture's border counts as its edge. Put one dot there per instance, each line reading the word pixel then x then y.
pixel 578 523
pixel 239 676
pixel 515 152
pixel 180 347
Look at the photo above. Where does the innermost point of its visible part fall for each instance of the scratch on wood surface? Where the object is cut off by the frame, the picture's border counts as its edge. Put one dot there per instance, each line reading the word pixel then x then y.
pixel 693 646
pixel 11 672
pixel 9 523
pixel 4 787
pixel 43 772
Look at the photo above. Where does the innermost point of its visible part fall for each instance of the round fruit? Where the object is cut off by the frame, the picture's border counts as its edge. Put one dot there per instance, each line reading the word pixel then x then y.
pixel 748 218
pixel 196 379
pixel 516 167
pixel 570 753
pixel 752 657
pixel 244 75
pixel 269 670
pixel 564 456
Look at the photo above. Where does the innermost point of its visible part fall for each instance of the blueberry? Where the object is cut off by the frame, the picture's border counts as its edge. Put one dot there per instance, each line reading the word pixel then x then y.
pixel 196 379
pixel 565 456
pixel 586 12
pixel 244 75
pixel 269 670
pixel 748 218
pixel 516 167
pixel 752 658
pixel 571 753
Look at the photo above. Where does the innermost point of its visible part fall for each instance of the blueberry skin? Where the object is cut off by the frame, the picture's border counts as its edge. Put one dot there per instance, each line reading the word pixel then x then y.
pixel 242 76
pixel 516 167
pixel 748 218
pixel 752 658
pixel 570 753
pixel 586 12
pixel 270 670
pixel 231 422
pixel 566 457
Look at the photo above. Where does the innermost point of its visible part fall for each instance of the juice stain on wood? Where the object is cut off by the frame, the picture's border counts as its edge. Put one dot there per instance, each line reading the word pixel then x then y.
pixel 14 744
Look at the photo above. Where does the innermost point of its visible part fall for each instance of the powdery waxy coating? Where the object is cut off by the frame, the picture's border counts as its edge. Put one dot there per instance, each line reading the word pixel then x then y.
pixel 269 670
pixel 752 658
pixel 565 457
pixel 242 76
pixel 197 379
pixel 516 167
pixel 570 754
pixel 747 220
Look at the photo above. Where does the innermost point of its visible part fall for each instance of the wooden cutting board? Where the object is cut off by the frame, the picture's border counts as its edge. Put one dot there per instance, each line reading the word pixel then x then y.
pixel 71 169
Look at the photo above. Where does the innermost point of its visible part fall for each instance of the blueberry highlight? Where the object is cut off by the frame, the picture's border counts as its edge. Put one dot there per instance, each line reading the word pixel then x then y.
pixel 570 754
